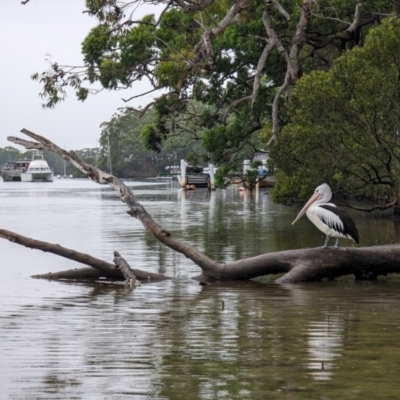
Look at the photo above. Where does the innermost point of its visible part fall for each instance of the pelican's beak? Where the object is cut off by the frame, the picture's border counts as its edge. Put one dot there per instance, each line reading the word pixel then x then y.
pixel 314 197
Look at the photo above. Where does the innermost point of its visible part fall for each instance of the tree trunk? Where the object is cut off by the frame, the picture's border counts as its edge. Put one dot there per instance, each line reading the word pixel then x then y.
pixel 100 268
pixel 302 265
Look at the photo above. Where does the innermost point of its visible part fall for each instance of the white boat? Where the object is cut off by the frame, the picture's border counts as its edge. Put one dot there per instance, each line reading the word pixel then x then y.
pixel 11 170
pixel 38 170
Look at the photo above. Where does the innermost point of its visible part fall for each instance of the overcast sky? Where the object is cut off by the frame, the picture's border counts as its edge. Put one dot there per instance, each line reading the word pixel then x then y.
pixel 27 35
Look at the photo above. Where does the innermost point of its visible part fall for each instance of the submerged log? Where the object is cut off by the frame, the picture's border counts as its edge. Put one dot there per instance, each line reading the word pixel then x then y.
pixel 76 274
pixel 312 265
pixel 101 269
pixel 302 265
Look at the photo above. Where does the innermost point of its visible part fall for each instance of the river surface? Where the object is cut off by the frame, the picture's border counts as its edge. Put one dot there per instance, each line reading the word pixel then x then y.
pixel 178 339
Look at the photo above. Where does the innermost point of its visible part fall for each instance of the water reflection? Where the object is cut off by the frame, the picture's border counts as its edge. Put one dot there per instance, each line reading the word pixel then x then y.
pixel 177 339
pixel 324 345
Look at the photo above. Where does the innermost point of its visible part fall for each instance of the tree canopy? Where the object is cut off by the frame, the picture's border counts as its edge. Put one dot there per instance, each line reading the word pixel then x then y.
pixel 345 125
pixel 238 58
pixel 126 144
pixel 223 72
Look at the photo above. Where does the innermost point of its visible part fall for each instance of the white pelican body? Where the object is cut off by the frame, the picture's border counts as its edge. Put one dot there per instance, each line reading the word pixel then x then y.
pixel 329 219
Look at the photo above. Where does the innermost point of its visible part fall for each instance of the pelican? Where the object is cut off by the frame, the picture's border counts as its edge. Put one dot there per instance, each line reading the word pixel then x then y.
pixel 329 219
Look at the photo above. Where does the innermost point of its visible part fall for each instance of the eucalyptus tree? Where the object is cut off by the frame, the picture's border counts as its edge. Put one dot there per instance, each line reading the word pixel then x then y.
pixel 130 147
pixel 351 139
pixel 240 58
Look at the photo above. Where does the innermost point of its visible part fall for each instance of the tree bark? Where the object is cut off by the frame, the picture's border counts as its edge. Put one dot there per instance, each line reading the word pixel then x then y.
pixel 302 265
pixel 100 268
pixel 126 270
pixel 310 265
pixel 77 274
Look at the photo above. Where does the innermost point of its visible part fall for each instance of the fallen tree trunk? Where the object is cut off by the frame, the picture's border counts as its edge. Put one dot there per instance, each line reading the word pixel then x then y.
pixel 297 265
pixel 100 268
pixel 303 265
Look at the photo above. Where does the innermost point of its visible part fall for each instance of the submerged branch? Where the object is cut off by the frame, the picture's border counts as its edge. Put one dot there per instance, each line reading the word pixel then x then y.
pixel 104 268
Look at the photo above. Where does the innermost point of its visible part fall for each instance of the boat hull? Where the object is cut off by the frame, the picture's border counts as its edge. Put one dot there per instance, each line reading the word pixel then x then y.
pixel 37 177
pixel 11 176
pixel 11 170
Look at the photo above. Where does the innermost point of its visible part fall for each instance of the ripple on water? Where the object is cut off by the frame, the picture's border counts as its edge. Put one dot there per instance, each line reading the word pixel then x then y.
pixel 176 339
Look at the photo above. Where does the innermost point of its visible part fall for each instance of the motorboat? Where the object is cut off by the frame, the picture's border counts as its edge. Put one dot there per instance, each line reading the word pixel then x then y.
pixel 38 170
pixel 11 170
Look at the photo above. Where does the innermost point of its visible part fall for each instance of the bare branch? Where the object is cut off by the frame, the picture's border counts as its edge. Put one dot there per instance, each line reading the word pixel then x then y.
pixel 299 38
pixel 273 36
pixel 191 6
pixel 105 269
pixel 149 105
pixel 260 67
pixel 371 209
pixel 357 16
pixel 275 108
pixel 331 19
pixel 203 47
pixel 130 277
pixel 234 104
pixel 140 95
pixel 280 9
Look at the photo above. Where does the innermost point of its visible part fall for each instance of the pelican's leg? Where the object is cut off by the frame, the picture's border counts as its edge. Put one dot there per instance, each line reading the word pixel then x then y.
pixel 336 245
pixel 325 246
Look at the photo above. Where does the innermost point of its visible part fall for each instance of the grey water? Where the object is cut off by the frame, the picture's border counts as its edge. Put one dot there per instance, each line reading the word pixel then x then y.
pixel 177 339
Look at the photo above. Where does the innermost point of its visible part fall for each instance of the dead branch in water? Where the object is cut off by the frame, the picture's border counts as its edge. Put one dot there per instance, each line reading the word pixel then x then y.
pixel 301 265
pixel 100 268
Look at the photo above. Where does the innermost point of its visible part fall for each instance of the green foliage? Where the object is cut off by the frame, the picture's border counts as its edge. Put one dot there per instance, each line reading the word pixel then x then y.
pixel 255 164
pixel 177 34
pixel 344 127
pixel 222 174
pixel 132 140
pixel 192 159
pixel 169 55
pixel 150 139
pixel 82 93
pixel 10 153
pixel 170 73
pixel 228 142
pixel 251 176
pixel 97 44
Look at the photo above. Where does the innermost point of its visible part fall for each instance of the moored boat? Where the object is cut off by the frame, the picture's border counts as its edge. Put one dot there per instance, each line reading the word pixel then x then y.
pixel 11 170
pixel 38 170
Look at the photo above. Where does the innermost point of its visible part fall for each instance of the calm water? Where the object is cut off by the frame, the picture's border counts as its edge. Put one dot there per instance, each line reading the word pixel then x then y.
pixel 177 339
